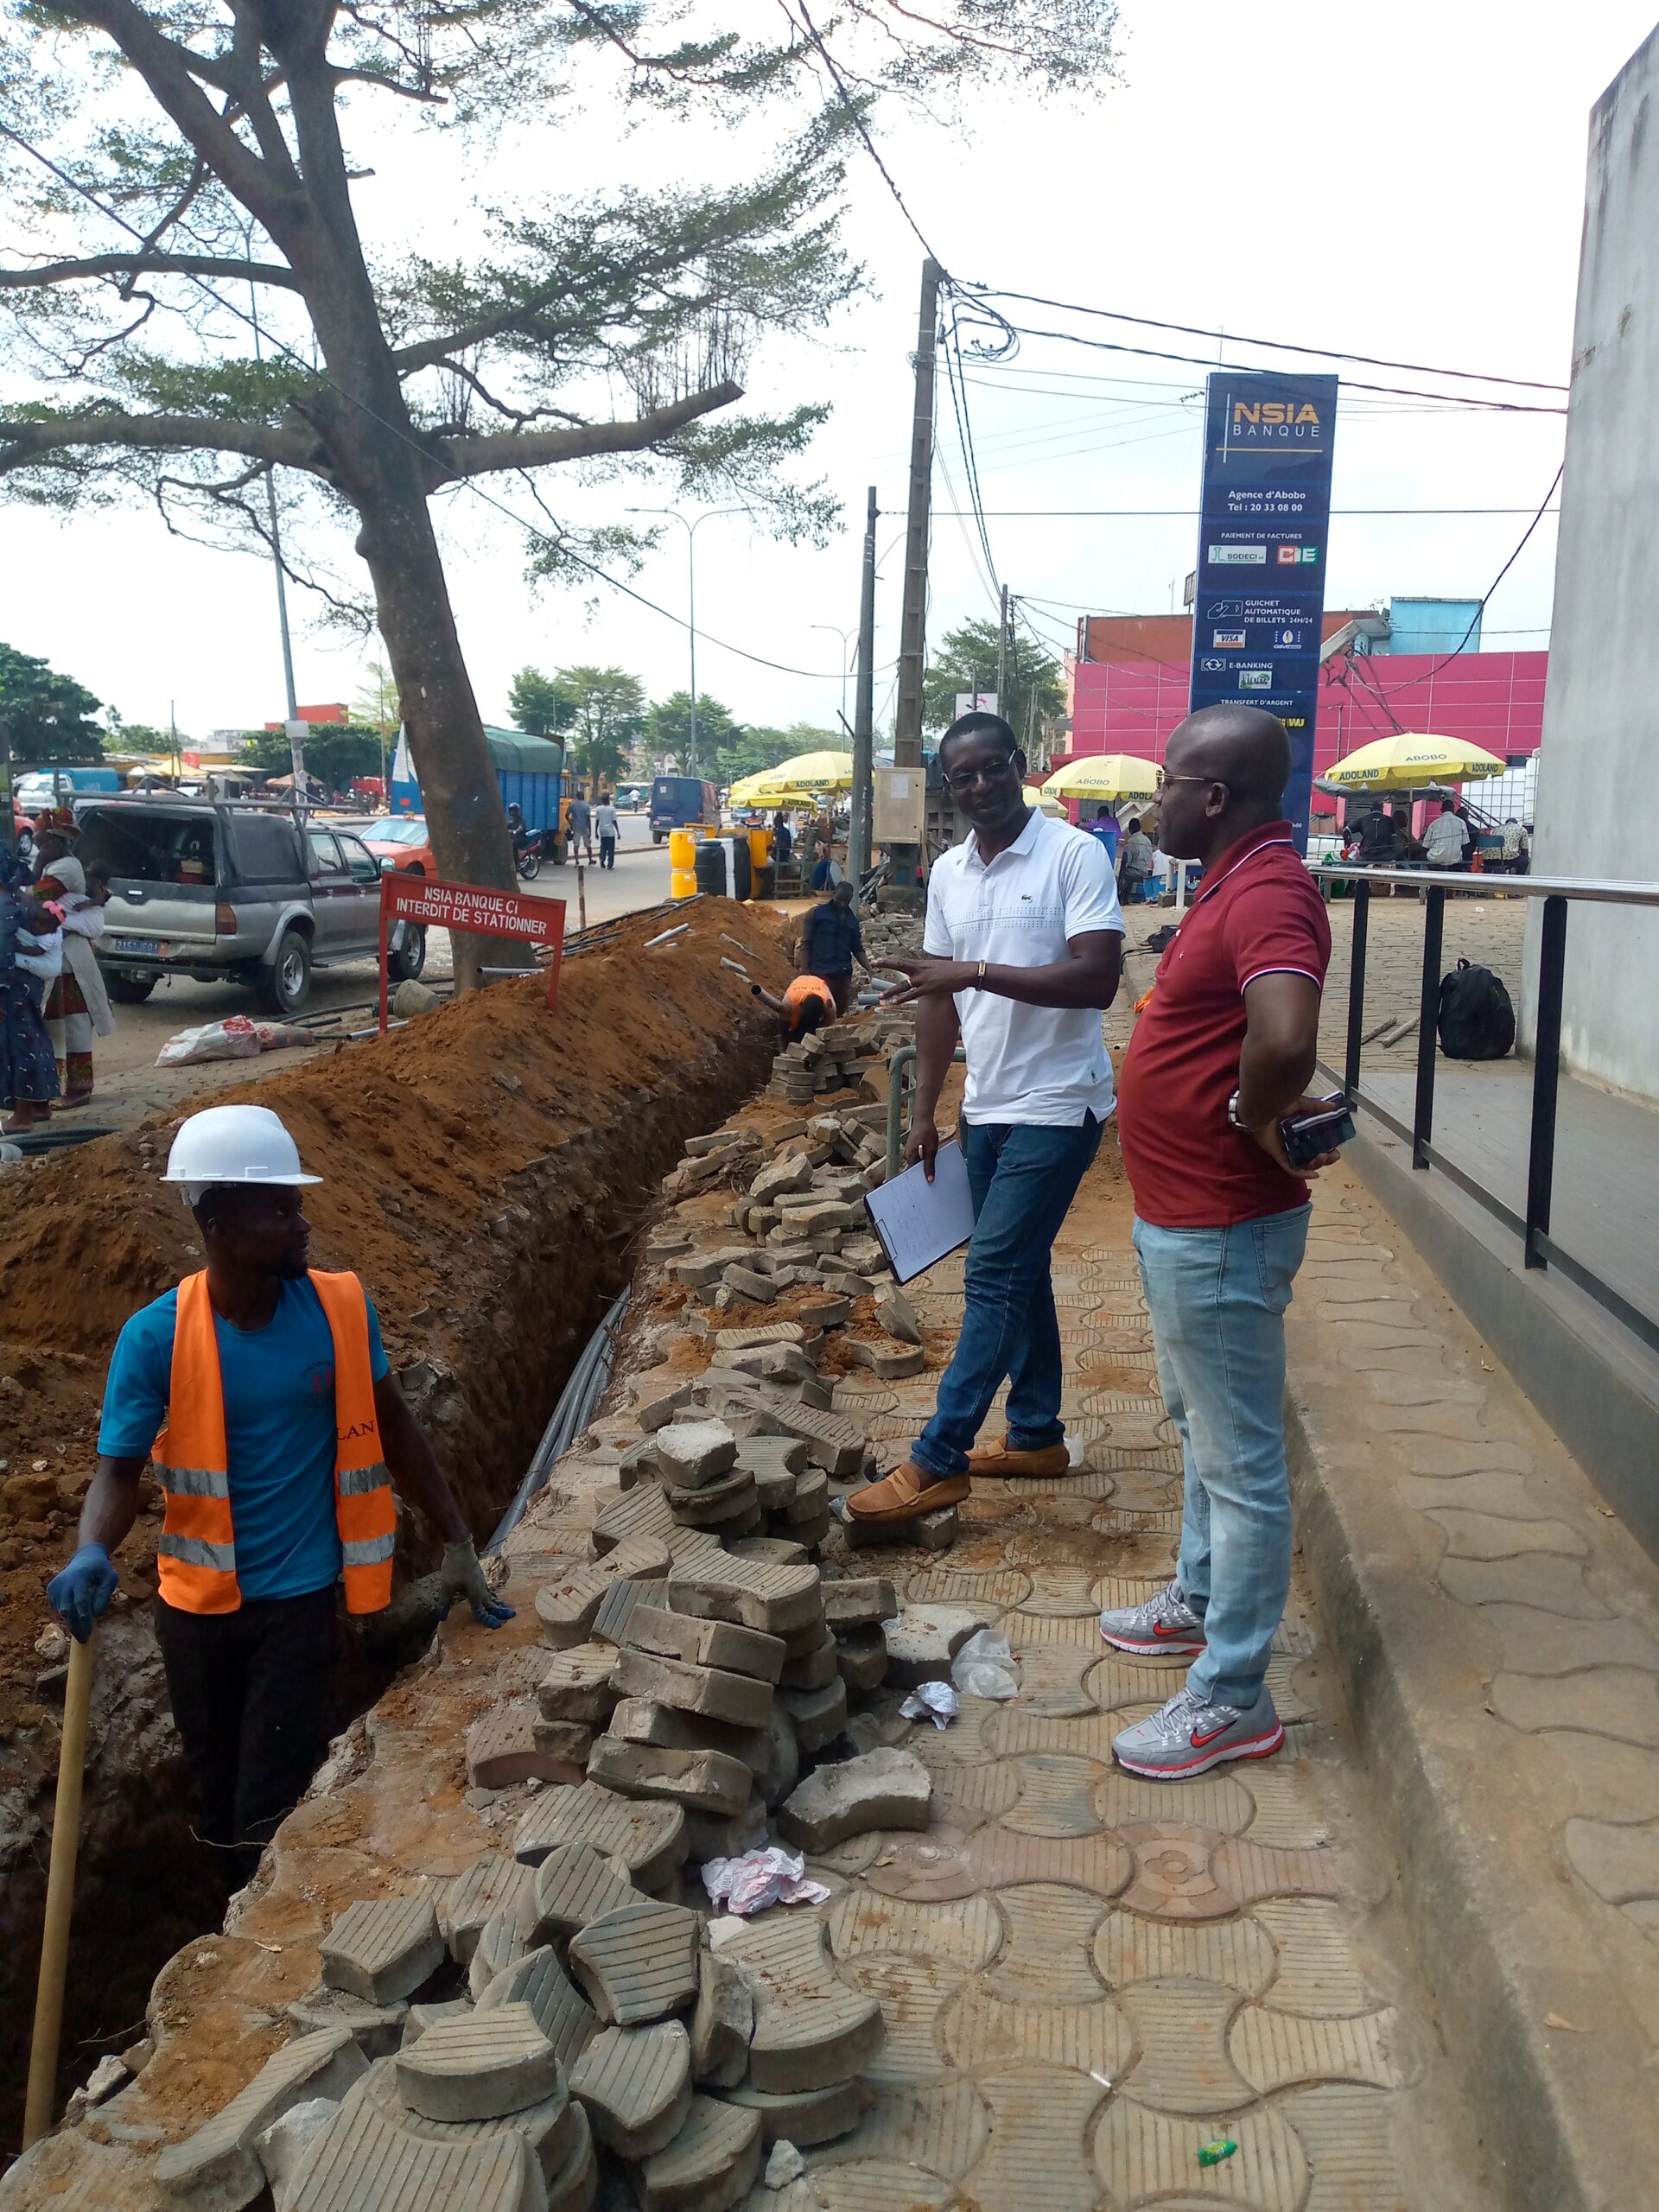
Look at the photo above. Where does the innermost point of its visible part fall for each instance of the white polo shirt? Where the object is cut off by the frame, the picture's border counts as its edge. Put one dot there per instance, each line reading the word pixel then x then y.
pixel 1039 1064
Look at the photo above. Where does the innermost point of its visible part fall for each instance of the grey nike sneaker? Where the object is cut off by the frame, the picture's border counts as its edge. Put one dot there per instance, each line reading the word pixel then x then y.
pixel 1187 1737
pixel 1166 1623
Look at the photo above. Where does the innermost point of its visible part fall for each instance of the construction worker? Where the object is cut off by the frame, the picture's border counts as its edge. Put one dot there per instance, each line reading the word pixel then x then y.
pixel 262 1393
pixel 808 1003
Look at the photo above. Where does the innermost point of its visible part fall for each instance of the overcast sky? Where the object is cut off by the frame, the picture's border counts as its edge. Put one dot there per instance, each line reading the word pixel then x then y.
pixel 1408 184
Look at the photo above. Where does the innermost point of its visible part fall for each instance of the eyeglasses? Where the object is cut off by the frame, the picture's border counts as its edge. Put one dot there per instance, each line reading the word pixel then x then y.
pixel 1164 781
pixel 960 780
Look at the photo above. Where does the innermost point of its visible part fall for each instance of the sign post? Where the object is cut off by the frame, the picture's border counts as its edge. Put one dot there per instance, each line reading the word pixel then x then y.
pixel 1259 601
pixel 408 898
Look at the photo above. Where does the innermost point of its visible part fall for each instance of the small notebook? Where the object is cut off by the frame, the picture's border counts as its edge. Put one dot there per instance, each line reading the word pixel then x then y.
pixel 919 1222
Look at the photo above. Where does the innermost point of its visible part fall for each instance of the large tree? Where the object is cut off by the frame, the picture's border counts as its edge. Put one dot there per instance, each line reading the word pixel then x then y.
pixel 964 660
pixel 538 704
pixel 174 170
pixel 48 716
pixel 607 712
pixel 668 732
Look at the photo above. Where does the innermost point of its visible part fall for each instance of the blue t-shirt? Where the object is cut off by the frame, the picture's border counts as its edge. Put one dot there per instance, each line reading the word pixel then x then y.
pixel 1108 829
pixel 279 1429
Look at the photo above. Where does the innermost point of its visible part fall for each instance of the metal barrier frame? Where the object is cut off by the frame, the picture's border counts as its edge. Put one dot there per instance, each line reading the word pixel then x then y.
pixel 1539 1248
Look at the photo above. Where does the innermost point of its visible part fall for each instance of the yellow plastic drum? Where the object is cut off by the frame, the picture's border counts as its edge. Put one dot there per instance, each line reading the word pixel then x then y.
pixel 682 852
pixel 682 881
pixel 759 848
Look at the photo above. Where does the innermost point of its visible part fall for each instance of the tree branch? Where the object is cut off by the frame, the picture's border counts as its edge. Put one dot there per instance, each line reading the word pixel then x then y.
pixel 24 441
pixel 532 449
pixel 146 264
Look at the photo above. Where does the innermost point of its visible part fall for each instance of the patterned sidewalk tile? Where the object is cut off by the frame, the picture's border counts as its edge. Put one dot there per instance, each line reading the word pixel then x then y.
pixel 979 2029
pixel 1276 2050
pixel 1317 1970
pixel 1056 1794
pixel 1048 1958
pixel 968 1935
pixel 942 2127
pixel 1189 1873
pixel 911 1993
pixel 1145 2155
pixel 1038 2158
pixel 1182 2063
pixel 1240 1953
pixel 1345 2134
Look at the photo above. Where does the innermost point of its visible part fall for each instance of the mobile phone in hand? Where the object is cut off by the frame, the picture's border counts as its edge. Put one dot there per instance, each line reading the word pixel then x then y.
pixel 1319 1131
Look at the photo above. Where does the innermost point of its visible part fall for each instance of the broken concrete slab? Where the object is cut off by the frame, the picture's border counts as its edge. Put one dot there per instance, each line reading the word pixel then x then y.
pixel 831 1311
pixel 781 1770
pixel 557 2006
pixel 501 1943
pixel 635 2085
pixel 710 2166
pixel 702 1643
pixel 816 1716
pixel 281 2147
pixel 783 1364
pixel 554 2127
pixel 722 2021
pixel 779 1551
pixel 361 2158
pixel 502 1749
pixel 577 1685
pixel 637 1720
pixel 575 1885
pixel 897 1315
pixel 215 2167
pixel 698 1269
pixel 567 1608
pixel 891 1360
pixel 383 1947
pixel 923 1641
pixel 810 2028
pixel 652 1413
pixel 859 1601
pixel 566 1744
pixel 790 1172
pixel 861 1659
pixel 739 1699
pixel 648 1840
pixel 932 1532
pixel 809 1499
pixel 881 1789
pixel 638 1963
pixel 762 1332
pixel 493 1883
pixel 803 2117
pixel 701 1781
pixel 375 2029
pixel 744 1283
pixel 720 1504
pixel 691 1453
pixel 483 2066
pixel 774 1600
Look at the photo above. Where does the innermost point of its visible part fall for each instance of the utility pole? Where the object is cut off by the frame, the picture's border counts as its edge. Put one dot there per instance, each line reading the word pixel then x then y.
pixel 907 727
pixel 858 839
pixel 1002 658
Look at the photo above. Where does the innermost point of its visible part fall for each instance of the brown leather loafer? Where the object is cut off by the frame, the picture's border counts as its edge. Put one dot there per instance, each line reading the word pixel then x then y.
pixel 1003 1459
pixel 904 1495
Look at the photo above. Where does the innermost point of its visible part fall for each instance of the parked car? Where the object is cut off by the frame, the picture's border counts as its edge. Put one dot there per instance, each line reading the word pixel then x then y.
pixel 400 841
pixel 678 801
pixel 228 893
pixel 45 787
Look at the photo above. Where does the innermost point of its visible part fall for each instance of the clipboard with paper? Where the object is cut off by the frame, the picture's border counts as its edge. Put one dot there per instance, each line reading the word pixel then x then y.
pixel 917 1221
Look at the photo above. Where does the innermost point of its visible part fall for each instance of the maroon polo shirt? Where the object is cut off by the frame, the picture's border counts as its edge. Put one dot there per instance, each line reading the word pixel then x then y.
pixel 1257 913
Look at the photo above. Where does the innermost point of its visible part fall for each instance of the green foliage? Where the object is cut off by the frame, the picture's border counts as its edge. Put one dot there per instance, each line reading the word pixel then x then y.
pixel 965 660
pixel 48 715
pixel 378 704
pixel 336 753
pixel 755 748
pixel 538 705
pixel 668 732
pixel 607 712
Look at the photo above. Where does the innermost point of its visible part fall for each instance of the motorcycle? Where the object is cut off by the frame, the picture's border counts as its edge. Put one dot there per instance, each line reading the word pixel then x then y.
pixel 527 854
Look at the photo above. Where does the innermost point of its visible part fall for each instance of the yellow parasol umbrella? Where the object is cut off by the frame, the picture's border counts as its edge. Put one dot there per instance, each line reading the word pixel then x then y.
pixel 747 791
pixel 1407 762
pixel 1109 776
pixel 807 771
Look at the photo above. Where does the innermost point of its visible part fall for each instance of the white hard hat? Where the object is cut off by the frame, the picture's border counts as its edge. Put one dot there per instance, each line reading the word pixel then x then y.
pixel 233 1144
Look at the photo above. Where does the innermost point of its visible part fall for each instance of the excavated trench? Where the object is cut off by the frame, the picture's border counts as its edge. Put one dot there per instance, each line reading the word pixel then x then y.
pixel 487 1170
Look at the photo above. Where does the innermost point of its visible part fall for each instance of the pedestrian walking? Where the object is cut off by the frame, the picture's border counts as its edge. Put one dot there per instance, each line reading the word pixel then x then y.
pixel 1222 1053
pixel 606 822
pixel 31 954
pixel 262 1392
pixel 1021 953
pixel 831 939
pixel 77 1007
pixel 582 827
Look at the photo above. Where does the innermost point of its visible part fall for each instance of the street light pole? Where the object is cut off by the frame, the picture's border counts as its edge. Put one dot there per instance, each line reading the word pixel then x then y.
pixel 846 655
pixel 690 530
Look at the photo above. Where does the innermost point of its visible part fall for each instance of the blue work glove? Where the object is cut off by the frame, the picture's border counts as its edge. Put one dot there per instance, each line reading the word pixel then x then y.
pixel 463 1576
pixel 83 1590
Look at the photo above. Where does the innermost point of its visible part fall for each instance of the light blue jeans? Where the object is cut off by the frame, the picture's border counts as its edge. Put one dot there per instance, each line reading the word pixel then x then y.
pixel 1218 1300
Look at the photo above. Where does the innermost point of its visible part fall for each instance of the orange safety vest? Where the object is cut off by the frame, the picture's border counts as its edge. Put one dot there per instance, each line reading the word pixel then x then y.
pixel 809 987
pixel 196 1552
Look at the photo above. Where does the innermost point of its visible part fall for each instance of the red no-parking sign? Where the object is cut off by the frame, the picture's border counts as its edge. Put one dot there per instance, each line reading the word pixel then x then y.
pixel 408 898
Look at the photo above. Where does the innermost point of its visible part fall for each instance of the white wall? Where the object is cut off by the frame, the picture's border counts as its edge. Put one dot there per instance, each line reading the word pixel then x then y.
pixel 1596 785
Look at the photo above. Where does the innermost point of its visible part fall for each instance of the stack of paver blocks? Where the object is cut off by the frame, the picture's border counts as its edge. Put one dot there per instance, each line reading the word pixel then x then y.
pixel 830 1060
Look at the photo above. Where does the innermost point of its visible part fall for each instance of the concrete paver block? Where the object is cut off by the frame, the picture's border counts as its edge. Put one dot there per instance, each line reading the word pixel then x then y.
pixel 763 1332
pixel 805 2118
pixel 832 1310
pixel 693 1452
pixel 754 1594
pixel 363 2162
pixel 635 2084
pixel 966 1936
pixel 738 1699
pixel 557 2008
pixel 710 2166
pixel 1145 2155
pixel 493 1883
pixel 777 1551
pixel 638 1510
pixel 1273 2050
pixel 960 1855
pixel 810 2028
pixel 809 1501
pixel 1129 1949
pixel 552 2127
pixel 897 1315
pixel 701 1781
pixel 383 1947
pixel 420 2017
pixel 1190 1873
pixel 1619 1860
pixel 494 2062
pixel 375 2029
pixel 860 1601
pixel 861 1659
pixel 567 1746
pixel 932 1532
pixel 638 1963
pixel 648 1840
pixel 813 1668
pixel 502 1749
pixel 501 1943
pixel 566 1609
pixel 617 1607
pixel 577 1685
pixel 639 1720
pixel 575 1883
pixel 722 2023
pixel 882 1789
pixel 215 2167
pixel 923 1640
pixel 752 1288
pixel 816 1716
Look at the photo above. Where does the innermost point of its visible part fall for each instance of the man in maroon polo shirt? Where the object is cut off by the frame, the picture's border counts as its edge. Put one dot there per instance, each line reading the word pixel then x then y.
pixel 1221 1055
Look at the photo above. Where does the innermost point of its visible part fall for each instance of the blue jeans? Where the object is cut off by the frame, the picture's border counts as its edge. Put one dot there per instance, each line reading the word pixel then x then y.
pixel 1218 1300
pixel 1023 1180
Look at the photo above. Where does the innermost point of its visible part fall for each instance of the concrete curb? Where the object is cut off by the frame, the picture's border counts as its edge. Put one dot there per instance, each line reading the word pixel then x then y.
pixel 1565 2118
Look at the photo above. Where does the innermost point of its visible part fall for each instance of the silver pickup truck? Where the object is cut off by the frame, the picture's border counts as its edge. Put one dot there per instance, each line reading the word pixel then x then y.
pixel 222 892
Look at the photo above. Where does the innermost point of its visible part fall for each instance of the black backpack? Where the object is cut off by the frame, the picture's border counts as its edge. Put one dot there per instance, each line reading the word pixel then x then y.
pixel 1477 1020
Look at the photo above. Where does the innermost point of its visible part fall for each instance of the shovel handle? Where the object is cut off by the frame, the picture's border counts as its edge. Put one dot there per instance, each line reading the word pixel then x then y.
pixel 60 1897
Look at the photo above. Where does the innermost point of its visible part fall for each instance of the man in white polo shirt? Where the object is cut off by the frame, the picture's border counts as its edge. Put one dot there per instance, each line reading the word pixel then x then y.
pixel 1021 955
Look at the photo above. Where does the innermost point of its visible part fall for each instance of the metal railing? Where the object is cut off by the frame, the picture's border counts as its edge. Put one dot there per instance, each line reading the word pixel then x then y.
pixel 1539 1248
